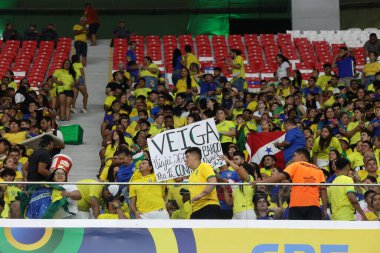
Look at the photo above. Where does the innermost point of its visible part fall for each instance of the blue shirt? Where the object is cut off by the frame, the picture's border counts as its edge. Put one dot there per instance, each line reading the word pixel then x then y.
pixel 125 172
pixel 296 138
pixel 178 65
pixel 131 55
pixel 315 90
pixel 376 130
pixel 346 67
pixel 335 130
pixel 206 87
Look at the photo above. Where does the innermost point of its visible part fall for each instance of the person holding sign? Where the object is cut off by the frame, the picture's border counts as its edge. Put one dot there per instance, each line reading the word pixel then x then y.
pixel 204 200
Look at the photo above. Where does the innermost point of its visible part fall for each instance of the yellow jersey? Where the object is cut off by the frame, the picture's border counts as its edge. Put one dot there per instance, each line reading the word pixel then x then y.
pixel 322 81
pixel 225 126
pixel 242 196
pixel 239 72
pixel 182 85
pixel 370 69
pixel 149 198
pixel 15 137
pixel 77 66
pixel 324 154
pixel 191 58
pixel 148 73
pixel 341 206
pixel 201 175
pixel 80 37
pixel 88 192
pixel 64 76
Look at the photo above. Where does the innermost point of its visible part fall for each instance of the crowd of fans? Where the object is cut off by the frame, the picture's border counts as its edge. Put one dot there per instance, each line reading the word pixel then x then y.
pixel 331 120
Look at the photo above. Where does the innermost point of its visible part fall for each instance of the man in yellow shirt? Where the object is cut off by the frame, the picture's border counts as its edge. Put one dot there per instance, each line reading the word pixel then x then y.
pixel 147 201
pixel 80 39
pixel 342 198
pixel 238 70
pixel 324 80
pixel 93 198
pixel 190 57
pixel 204 199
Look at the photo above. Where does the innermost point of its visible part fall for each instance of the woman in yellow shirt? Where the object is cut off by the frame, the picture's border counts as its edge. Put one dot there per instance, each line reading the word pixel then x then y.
pixel 354 128
pixel 15 136
pixel 370 69
pixel 323 145
pixel 80 82
pixel 186 85
pixel 226 129
pixel 65 79
pixel 150 71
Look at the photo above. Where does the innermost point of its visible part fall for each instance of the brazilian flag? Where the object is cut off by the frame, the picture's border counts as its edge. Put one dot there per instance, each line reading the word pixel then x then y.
pixel 42 202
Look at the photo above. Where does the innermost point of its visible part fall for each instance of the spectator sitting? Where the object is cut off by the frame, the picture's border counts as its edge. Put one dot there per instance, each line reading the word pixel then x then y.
pixel 49 34
pixel 120 32
pixel 31 33
pixel 372 45
pixel 10 33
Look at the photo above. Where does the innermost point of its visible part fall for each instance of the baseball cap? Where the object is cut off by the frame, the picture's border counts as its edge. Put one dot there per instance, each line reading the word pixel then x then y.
pixel 183 191
pixel 114 190
pixel 344 139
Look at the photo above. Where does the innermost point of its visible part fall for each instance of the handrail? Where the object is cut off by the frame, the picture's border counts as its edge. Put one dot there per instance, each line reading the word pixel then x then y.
pixel 182 183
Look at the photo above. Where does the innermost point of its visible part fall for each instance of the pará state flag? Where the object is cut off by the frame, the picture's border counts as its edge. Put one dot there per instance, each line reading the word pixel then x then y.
pixel 260 144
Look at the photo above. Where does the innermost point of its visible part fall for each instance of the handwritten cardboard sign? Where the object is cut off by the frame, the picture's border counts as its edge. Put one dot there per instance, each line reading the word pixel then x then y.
pixel 167 149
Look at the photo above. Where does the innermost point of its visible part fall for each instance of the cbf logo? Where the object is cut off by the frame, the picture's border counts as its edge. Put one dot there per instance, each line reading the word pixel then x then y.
pixel 300 248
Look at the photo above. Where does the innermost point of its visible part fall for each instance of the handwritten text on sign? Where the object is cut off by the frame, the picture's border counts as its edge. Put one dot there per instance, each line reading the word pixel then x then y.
pixel 167 149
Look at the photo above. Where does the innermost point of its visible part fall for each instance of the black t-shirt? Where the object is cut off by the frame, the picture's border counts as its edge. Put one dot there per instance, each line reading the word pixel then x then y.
pixel 40 156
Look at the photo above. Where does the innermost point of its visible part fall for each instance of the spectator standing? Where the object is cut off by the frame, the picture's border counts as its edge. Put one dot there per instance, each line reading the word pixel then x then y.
pixel 65 79
pixel 177 63
pixel 147 201
pixel 120 32
pixel 80 39
pixel 80 83
pixel 372 45
pixel 10 33
pixel 283 69
pixel 204 199
pixel 345 62
pixel 370 69
pixel 374 124
pixel 190 57
pixel 322 146
pixel 294 140
pixel 304 200
pixel 49 34
pixel 46 126
pixel 93 21
pixel 342 198
pixel 237 69
pixel 40 161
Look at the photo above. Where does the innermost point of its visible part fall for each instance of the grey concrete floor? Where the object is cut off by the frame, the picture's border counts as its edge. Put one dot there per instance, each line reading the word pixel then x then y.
pixel 85 157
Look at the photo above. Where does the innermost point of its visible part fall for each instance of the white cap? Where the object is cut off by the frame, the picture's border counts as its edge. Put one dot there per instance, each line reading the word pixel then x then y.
pixel 114 189
pixel 336 91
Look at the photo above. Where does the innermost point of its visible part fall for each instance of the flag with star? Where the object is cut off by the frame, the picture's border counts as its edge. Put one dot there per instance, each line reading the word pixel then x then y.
pixel 260 144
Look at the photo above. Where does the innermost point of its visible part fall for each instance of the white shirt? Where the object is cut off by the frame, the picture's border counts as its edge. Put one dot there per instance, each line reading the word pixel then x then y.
pixel 281 71
pixel 72 206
